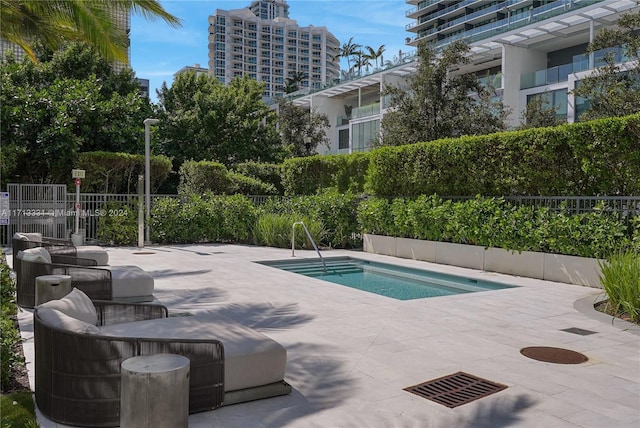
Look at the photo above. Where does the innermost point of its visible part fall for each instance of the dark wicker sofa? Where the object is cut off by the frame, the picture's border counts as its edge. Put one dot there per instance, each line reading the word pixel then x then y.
pixel 98 282
pixel 78 374
pixel 80 346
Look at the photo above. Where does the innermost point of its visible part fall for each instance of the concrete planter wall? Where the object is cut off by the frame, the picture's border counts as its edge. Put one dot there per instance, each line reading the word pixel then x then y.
pixel 551 267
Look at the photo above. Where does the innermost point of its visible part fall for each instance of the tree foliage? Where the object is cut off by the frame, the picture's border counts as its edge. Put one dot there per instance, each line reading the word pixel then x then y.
pixel 538 114
pixel 55 22
pixel 613 90
pixel 55 109
pixel 302 131
pixel 202 119
pixel 439 103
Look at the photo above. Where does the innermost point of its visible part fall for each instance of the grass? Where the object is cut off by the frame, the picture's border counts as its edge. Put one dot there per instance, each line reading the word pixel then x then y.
pixel 620 279
pixel 17 410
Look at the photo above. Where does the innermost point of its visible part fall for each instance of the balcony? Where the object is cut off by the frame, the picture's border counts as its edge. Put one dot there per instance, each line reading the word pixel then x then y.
pixel 365 111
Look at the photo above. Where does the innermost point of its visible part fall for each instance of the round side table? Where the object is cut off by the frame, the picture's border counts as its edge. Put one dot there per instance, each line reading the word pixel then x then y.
pixel 155 391
pixel 52 287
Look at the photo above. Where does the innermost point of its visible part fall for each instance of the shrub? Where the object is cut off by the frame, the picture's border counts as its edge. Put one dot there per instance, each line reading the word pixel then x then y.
pixel 269 173
pixel 275 230
pixel 620 279
pixel 118 172
pixel 308 175
pixel 200 177
pixel 238 218
pixel 118 225
pixel 492 222
pixel 10 340
pixel 587 158
pixel 336 211
pixel 249 186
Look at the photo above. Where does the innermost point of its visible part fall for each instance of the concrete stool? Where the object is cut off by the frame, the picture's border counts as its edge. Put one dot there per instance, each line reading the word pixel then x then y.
pixel 52 287
pixel 155 392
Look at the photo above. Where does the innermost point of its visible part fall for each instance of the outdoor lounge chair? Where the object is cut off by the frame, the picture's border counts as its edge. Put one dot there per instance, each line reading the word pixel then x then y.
pixel 121 283
pixel 80 345
pixel 24 241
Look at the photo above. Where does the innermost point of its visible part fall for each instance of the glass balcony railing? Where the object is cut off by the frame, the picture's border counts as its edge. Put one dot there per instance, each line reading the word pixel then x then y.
pixel 368 110
pixel 580 63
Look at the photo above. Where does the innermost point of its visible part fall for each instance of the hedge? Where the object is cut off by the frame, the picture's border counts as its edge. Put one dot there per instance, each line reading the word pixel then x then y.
pixel 108 172
pixel 206 176
pixel 600 157
pixel 308 175
pixel 493 222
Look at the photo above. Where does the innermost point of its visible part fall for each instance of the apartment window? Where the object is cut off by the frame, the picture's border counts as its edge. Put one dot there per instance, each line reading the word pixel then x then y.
pixel 343 139
pixel 557 99
pixel 364 134
pixel 220 20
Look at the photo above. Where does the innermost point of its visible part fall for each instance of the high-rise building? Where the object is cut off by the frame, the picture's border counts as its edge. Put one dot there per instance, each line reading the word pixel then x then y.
pixel 242 42
pixel 270 9
pixel 522 48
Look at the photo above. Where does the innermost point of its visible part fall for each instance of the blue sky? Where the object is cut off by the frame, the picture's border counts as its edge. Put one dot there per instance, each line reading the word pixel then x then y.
pixel 158 50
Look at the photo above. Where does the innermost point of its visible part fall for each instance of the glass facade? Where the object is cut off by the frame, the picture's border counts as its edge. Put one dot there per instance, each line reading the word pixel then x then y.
pixel 364 135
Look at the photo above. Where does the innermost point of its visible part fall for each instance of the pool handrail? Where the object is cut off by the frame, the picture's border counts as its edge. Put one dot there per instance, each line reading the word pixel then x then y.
pixel 315 247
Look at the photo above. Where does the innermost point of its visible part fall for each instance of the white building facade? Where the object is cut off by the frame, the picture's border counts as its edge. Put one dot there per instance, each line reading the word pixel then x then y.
pixel 272 49
pixel 524 48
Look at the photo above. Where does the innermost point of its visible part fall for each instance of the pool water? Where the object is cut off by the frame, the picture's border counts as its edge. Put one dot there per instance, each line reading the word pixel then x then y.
pixel 388 280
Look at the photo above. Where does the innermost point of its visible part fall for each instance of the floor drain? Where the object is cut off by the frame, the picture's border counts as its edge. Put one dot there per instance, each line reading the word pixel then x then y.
pixel 580 331
pixel 456 389
pixel 554 355
pixel 143 253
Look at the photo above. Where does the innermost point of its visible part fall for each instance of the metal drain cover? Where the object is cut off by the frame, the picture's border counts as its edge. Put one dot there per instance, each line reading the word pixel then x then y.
pixel 456 389
pixel 143 253
pixel 580 331
pixel 554 355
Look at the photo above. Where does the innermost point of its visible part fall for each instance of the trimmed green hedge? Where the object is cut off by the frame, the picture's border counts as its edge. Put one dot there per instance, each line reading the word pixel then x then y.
pixel 308 175
pixel 591 158
pixel 206 176
pixel 108 172
pixel 207 218
pixel 492 222
pixel 268 173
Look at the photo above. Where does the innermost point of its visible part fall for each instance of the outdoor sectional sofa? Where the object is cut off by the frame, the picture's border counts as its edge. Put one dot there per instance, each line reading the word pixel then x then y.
pixel 122 283
pixel 80 345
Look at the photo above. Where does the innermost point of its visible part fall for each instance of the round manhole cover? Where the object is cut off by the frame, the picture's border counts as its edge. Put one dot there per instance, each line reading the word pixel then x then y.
pixel 554 355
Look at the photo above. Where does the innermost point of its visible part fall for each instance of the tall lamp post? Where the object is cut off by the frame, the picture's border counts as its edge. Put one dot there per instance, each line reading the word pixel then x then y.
pixel 147 176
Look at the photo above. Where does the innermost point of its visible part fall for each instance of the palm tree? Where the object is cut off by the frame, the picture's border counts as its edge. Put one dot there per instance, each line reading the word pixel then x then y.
pixel 362 60
pixel 293 82
pixel 374 54
pixel 348 50
pixel 53 22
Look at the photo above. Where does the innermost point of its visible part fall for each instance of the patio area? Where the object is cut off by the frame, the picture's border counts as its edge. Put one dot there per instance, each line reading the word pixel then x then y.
pixel 351 353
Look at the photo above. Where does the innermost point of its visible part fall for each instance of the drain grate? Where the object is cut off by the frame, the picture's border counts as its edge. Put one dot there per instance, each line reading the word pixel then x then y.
pixel 549 354
pixel 580 331
pixel 456 389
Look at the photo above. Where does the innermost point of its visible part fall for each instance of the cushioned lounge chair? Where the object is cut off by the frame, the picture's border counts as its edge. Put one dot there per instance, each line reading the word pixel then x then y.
pixel 80 345
pixel 121 283
pixel 23 241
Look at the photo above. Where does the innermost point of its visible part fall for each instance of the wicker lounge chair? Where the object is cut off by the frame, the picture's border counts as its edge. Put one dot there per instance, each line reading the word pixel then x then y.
pixel 122 283
pixel 78 363
pixel 24 241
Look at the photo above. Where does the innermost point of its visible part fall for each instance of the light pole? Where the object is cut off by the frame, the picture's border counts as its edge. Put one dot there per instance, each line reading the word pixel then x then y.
pixel 147 176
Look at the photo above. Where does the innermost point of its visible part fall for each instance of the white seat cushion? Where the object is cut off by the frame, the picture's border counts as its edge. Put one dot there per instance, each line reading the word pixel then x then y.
pixel 93 252
pixel 36 254
pixel 57 319
pixel 129 282
pixel 31 236
pixel 251 358
pixel 76 305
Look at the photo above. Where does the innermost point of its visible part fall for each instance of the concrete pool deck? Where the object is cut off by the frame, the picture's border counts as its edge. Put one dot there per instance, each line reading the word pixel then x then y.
pixel 351 353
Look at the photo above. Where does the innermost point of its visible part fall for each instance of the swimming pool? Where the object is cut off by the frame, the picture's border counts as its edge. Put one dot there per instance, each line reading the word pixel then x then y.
pixel 397 282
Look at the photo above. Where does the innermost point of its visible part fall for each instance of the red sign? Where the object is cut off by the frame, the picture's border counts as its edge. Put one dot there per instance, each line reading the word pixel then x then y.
pixel 78 182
